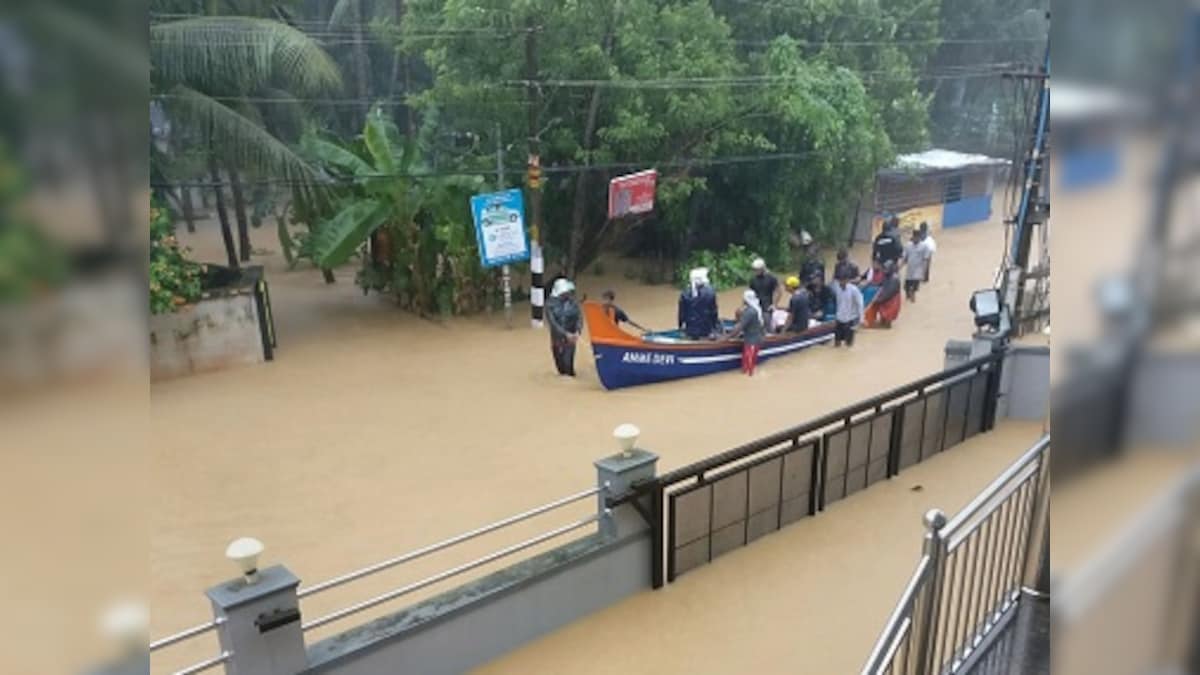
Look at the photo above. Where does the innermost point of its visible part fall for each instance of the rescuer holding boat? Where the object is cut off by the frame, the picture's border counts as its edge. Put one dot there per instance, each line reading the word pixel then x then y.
pixel 566 322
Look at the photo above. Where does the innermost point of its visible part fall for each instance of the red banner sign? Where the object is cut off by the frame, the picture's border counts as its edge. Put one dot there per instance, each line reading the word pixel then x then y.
pixel 632 194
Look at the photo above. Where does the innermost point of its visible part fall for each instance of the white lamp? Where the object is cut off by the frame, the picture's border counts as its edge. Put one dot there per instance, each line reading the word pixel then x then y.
pixel 126 624
pixel 244 553
pixel 626 435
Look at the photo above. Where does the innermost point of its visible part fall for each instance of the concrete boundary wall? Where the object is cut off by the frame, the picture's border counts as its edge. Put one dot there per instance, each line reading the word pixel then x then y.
pixel 475 623
pixel 1024 378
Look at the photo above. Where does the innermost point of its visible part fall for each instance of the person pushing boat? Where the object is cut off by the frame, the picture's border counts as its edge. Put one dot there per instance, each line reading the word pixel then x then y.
pixel 751 328
pixel 566 322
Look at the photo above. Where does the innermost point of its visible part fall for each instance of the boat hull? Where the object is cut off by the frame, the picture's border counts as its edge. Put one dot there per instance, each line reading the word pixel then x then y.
pixel 623 360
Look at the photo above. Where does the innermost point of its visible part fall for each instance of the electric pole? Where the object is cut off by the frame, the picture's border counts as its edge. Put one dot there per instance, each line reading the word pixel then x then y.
pixel 505 271
pixel 537 266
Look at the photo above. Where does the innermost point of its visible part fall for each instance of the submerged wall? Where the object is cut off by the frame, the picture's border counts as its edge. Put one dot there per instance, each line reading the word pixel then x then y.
pixel 485 619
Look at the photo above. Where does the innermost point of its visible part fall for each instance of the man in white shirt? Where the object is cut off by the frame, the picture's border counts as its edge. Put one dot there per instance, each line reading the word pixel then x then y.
pixel 916 261
pixel 849 311
pixel 930 245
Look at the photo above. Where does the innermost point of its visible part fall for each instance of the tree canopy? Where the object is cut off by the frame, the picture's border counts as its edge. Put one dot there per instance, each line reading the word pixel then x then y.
pixel 763 118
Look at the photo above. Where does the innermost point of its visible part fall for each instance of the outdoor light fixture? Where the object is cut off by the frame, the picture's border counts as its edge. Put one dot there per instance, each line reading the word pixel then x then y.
pixel 244 553
pixel 626 435
pixel 986 306
pixel 126 624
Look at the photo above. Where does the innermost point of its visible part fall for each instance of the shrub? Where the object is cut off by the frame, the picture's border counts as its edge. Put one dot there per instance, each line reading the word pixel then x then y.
pixel 174 280
pixel 725 270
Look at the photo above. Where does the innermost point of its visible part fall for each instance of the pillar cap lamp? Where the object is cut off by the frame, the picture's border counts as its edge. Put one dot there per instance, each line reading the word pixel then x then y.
pixel 126 624
pixel 244 553
pixel 626 436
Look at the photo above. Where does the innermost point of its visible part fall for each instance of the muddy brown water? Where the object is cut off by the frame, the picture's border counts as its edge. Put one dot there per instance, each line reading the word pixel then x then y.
pixel 375 432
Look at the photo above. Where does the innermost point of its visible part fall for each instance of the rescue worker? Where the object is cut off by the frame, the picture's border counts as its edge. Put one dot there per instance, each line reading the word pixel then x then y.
pixel 798 307
pixel 813 264
pixel 888 247
pixel 884 308
pixel 698 307
pixel 566 321
pixel 751 328
pixel 765 286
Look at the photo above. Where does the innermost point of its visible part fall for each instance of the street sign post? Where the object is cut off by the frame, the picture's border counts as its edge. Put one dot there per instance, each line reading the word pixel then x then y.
pixel 500 227
pixel 500 232
pixel 632 194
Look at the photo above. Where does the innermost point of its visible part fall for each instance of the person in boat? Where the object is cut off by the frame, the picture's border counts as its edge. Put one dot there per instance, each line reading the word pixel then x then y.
pixel 566 320
pixel 616 314
pixel 822 303
pixel 884 308
pixel 849 311
pixel 799 309
pixel 751 328
pixel 698 307
pixel 765 286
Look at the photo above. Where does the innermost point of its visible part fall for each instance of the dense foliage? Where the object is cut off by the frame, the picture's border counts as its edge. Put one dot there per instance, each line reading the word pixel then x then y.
pixel 726 269
pixel 422 245
pixel 763 118
pixel 174 280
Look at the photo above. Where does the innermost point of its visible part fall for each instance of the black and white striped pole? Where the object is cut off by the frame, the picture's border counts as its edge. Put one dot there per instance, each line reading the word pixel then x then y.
pixel 537 262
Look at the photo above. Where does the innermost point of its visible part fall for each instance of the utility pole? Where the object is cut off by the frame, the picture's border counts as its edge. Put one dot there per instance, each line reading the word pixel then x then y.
pixel 537 265
pixel 505 271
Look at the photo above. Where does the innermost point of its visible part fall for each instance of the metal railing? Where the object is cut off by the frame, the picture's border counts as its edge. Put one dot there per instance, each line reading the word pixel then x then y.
pixel 971 574
pixel 901 427
pixel 202 629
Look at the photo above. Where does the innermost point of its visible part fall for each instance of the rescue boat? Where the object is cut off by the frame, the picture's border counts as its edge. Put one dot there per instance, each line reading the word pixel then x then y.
pixel 626 360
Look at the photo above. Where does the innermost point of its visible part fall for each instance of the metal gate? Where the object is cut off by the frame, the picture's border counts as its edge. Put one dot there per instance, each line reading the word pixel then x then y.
pixel 717 505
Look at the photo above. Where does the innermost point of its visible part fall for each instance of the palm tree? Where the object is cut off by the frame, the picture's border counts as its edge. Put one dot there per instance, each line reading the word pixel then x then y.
pixel 208 71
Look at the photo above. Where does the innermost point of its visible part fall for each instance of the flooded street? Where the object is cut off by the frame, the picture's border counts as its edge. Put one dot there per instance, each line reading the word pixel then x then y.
pixel 375 432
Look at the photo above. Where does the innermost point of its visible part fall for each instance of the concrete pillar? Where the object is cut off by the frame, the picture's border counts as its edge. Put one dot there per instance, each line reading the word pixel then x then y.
pixel 620 472
pixel 261 629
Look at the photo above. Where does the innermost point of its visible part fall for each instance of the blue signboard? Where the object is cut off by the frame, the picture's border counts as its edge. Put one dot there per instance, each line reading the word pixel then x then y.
pixel 500 227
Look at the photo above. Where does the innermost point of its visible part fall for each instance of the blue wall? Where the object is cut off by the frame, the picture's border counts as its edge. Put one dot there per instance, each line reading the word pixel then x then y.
pixel 1086 167
pixel 967 210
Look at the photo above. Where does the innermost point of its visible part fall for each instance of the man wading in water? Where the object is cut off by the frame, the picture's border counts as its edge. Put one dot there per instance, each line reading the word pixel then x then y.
pixel 565 319
pixel 751 328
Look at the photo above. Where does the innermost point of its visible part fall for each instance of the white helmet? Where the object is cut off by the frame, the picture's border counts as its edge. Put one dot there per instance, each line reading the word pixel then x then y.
pixel 805 238
pixel 561 287
pixel 758 264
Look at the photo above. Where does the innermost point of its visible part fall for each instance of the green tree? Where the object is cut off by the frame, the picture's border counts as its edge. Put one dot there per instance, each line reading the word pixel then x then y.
pixel 419 227
pixel 207 72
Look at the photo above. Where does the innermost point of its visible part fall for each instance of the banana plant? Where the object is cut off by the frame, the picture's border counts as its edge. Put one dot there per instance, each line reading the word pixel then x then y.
pixel 378 190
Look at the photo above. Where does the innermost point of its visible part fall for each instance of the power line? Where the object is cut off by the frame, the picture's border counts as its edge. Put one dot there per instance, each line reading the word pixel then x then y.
pixel 562 169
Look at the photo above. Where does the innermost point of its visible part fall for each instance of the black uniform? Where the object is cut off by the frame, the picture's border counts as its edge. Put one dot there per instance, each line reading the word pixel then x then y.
pixel 888 247
pixel 798 312
pixel 764 286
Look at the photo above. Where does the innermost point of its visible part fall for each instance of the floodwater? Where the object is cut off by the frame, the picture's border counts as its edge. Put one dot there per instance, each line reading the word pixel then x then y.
pixel 811 598
pixel 375 432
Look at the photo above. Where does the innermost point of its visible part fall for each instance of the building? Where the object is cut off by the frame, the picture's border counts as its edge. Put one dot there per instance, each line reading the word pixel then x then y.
pixel 941 187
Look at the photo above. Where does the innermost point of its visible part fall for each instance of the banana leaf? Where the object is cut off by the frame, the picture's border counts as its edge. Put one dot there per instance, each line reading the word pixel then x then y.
pixel 337 238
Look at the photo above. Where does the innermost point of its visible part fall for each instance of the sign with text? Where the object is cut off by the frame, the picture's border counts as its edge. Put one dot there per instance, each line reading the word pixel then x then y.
pixel 500 227
pixel 632 194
